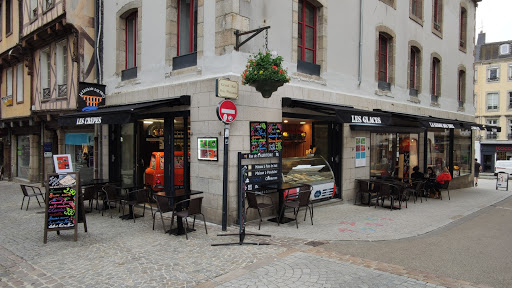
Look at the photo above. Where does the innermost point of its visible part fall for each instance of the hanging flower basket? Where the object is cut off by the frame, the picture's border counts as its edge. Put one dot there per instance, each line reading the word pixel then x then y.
pixel 265 73
pixel 266 87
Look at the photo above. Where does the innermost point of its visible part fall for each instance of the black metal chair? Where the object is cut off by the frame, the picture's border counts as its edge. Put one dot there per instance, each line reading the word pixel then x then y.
pixel 444 186
pixel 386 192
pixel 90 194
pixel 187 208
pixel 30 195
pixel 135 197
pixel 298 200
pixel 252 203
pixel 417 190
pixel 163 207
pixel 112 195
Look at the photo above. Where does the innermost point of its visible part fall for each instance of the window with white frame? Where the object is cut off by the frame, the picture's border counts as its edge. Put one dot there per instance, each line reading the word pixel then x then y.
pixel 509 93
pixel 493 74
pixel 33 9
pixel 509 129
pixel 19 83
pixel 476 76
pixel 45 73
pixel 9 83
pixel 504 49
pixel 62 62
pixel 492 101
pixel 509 72
pixel 491 122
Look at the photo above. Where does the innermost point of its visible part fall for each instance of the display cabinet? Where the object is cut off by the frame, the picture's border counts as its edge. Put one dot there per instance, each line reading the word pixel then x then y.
pixel 314 171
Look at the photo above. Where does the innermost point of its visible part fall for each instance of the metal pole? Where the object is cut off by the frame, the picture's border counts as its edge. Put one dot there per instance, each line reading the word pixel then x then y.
pixel 225 180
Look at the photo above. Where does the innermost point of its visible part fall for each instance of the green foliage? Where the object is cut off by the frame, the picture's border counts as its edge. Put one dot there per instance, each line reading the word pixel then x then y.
pixel 263 66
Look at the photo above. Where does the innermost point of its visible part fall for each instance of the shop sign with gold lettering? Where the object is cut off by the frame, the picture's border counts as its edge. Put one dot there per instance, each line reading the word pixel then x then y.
pixel 226 89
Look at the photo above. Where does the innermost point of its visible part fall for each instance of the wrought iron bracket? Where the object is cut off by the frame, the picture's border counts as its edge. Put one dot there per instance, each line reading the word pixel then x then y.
pixel 255 32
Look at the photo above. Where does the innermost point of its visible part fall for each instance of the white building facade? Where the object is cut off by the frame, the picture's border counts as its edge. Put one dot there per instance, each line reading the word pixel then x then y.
pixel 406 63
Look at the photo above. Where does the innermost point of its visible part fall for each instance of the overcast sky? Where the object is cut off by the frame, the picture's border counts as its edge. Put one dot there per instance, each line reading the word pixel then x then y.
pixel 493 17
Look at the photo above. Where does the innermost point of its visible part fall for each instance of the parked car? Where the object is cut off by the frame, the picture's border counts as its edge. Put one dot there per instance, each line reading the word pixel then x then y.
pixel 503 166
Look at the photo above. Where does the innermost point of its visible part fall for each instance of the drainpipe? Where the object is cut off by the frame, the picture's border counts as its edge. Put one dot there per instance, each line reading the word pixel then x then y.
pixel 360 71
pixel 98 128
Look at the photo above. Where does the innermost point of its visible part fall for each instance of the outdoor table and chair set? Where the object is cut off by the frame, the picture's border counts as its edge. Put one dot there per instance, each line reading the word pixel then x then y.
pixel 109 196
pixel 376 191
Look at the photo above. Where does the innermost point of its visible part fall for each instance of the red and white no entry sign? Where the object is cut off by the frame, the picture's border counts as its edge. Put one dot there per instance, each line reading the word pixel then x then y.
pixel 226 111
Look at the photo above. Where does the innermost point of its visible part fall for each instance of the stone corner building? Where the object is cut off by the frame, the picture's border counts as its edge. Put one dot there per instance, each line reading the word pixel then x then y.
pixel 377 87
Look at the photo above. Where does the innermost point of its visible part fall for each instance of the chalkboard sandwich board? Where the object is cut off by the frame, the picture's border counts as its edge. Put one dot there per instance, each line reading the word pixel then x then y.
pixel 61 203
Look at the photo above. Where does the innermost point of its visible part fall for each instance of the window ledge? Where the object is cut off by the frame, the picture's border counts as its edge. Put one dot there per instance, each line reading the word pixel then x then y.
pixel 416 19
pixel 414 99
pixel 437 33
pixel 45 100
pixel 128 83
pixel 435 104
pixel 309 78
pixel 462 49
pixel 184 71
pixel 461 109
pixel 386 93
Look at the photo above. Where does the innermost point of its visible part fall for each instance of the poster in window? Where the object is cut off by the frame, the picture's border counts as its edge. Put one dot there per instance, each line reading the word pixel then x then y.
pixel 207 149
pixel 258 134
pixel 360 151
pixel 62 163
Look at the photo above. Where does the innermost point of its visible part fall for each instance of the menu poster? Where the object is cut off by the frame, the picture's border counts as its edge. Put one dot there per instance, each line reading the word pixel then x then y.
pixel 258 137
pixel 62 163
pixel 207 148
pixel 275 141
pixel 360 151
pixel 61 203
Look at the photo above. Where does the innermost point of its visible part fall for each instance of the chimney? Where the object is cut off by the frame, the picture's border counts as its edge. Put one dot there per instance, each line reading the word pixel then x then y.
pixel 481 38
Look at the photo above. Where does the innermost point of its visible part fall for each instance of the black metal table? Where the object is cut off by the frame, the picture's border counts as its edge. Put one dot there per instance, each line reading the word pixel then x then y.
pixel 279 188
pixel 179 195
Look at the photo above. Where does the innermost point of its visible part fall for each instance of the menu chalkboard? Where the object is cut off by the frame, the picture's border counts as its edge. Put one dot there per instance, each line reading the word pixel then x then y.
pixel 61 203
pixel 258 137
pixel 275 141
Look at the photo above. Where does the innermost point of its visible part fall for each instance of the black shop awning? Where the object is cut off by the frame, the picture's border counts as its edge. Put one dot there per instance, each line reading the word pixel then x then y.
pixel 344 114
pixel 119 114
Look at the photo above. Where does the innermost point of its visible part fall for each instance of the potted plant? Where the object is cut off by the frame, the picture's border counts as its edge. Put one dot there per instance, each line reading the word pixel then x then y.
pixel 265 73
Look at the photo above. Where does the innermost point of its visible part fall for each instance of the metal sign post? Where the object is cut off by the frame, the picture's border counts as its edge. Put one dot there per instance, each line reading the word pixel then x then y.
pixel 225 180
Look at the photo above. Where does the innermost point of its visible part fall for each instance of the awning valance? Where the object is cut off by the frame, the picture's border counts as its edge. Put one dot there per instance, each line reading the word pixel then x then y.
pixel 120 114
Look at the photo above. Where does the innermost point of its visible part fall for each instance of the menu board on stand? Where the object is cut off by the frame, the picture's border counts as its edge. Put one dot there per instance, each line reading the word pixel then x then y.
pixel 61 210
pixel 258 135
pixel 275 141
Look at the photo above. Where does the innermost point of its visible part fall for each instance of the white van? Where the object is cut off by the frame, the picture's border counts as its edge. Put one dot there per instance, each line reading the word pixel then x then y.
pixel 503 166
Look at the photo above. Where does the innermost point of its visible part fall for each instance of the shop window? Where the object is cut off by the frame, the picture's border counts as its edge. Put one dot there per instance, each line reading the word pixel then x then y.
pixel 438 152
pixel 493 74
pixel 8 17
pixel 23 156
pixel 8 83
pixel 462 152
pixel 463 22
pixel 81 148
pixel 461 88
pixel 45 73
pixel 492 102
pixel 19 83
pixel 437 17
pixel 435 79
pixel 62 68
pixel 416 11
pixel 381 154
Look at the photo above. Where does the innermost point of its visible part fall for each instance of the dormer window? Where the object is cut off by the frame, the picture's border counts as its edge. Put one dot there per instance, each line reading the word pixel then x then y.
pixel 504 49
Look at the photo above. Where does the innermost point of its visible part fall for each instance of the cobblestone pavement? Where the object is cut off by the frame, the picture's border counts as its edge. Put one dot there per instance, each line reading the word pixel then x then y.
pixel 117 253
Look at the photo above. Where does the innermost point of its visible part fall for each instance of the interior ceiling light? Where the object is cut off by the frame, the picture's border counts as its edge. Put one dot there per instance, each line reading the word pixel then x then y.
pixel 148 122
pixel 302 122
pixel 285 121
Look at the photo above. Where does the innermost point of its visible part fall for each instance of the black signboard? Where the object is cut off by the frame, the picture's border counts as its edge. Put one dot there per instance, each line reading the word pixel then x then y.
pixel 275 141
pixel 258 135
pixel 90 96
pixel 61 203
